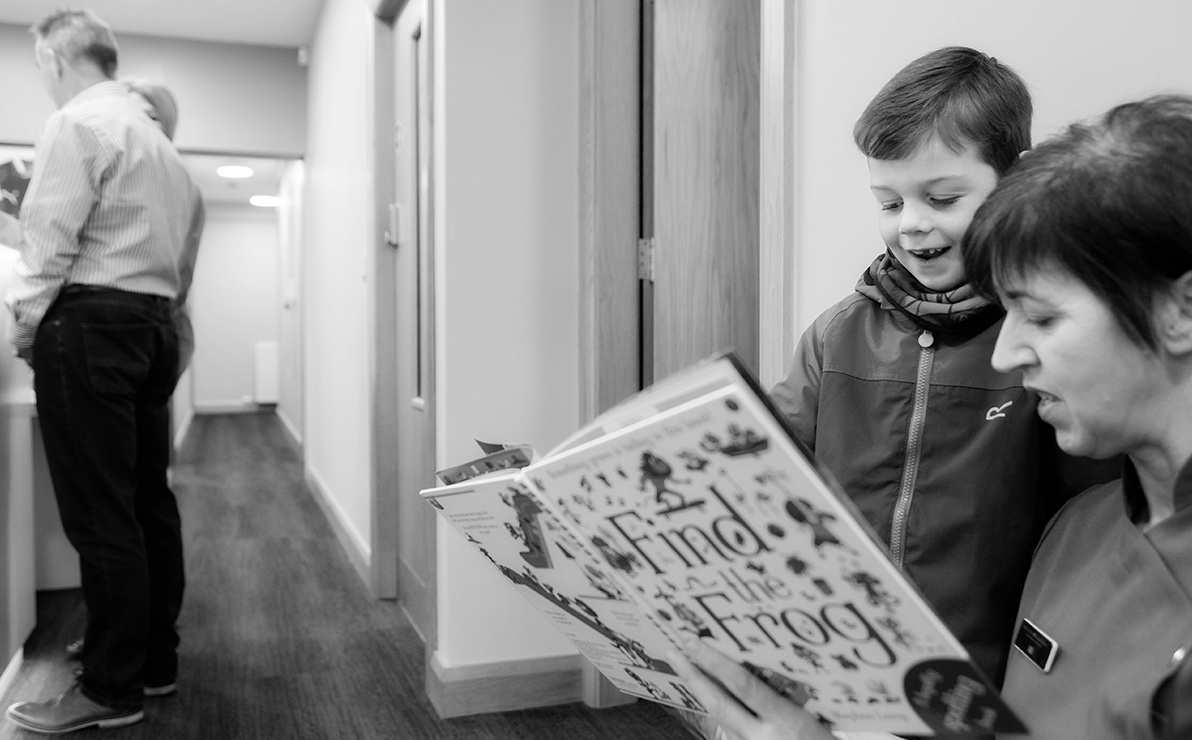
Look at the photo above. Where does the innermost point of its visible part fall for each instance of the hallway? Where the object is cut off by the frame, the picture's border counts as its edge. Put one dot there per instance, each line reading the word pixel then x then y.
pixel 280 638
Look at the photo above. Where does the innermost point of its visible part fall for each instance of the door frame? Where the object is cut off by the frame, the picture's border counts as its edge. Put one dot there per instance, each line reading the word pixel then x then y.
pixel 779 228
pixel 383 400
pixel 384 396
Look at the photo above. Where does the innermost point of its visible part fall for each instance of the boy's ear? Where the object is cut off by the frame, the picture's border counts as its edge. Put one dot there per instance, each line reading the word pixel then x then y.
pixel 1175 317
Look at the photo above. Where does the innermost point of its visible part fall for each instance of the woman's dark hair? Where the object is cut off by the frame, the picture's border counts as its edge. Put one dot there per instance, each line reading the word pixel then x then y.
pixel 956 93
pixel 1109 202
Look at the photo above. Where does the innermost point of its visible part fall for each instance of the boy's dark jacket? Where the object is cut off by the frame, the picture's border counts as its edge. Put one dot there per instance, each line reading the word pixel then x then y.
pixel 984 467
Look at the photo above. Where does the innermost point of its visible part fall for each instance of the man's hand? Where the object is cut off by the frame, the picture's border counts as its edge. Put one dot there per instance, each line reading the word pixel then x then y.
pixel 11 233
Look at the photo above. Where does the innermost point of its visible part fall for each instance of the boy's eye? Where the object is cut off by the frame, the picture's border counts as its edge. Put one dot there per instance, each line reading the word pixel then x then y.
pixel 940 202
pixel 891 205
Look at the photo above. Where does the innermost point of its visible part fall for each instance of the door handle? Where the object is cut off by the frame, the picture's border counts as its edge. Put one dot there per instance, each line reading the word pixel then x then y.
pixel 393 235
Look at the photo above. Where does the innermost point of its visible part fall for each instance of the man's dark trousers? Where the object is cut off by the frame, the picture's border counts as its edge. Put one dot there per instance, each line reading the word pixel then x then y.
pixel 105 365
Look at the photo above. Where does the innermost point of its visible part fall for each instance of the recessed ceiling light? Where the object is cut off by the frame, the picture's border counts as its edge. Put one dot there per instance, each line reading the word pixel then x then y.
pixel 265 201
pixel 234 171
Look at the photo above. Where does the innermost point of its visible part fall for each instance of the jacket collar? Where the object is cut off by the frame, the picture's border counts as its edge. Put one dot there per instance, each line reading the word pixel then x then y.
pixel 1136 506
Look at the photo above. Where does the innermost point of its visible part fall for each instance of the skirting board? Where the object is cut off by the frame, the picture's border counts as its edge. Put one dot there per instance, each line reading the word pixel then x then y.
pixel 10 673
pixel 359 557
pixel 291 431
pixel 183 428
pixel 503 687
pixel 226 407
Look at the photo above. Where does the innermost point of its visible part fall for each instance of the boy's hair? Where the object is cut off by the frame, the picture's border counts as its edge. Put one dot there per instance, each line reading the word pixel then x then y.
pixel 79 34
pixel 956 93
pixel 1106 202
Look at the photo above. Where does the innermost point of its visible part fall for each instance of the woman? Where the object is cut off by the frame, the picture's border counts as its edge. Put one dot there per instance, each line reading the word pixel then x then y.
pixel 159 104
pixel 1088 244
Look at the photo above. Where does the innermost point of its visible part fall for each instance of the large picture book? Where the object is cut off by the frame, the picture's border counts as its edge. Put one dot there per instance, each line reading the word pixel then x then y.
pixel 690 512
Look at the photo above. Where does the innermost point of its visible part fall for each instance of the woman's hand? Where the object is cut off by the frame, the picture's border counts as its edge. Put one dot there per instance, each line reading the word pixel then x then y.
pixel 774 717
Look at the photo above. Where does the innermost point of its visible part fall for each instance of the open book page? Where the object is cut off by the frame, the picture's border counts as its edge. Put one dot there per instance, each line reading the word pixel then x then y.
pixel 566 583
pixel 716 521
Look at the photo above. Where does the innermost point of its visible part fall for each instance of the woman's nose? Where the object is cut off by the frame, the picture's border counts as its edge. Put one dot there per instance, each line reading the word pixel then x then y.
pixel 1011 352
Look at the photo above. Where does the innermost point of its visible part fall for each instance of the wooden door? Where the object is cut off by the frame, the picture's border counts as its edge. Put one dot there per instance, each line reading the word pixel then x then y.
pixel 414 320
pixel 700 158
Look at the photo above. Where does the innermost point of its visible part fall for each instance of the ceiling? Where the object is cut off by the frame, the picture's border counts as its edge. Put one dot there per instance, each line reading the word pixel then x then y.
pixel 267 22
pixel 265 180
pixel 287 23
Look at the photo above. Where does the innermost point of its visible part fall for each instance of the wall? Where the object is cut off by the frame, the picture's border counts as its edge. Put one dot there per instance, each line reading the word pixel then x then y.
pixel 506 169
pixel 182 409
pixel 338 207
pixel 1079 58
pixel 17 486
pixel 234 304
pixel 290 238
pixel 233 98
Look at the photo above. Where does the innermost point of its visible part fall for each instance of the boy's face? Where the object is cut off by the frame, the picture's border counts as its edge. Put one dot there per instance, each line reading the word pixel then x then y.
pixel 927 201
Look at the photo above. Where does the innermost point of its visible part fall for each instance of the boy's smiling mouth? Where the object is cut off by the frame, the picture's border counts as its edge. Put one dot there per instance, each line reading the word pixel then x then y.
pixel 927 254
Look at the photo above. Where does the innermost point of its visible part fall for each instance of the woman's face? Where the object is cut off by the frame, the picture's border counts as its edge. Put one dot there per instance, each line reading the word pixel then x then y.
pixel 1096 386
pixel 144 103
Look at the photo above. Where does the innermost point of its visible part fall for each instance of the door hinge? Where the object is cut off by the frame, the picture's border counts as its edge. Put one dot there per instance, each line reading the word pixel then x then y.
pixel 645 259
pixel 393 235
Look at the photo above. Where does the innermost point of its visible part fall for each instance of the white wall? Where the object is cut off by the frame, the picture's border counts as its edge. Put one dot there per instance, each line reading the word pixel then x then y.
pixel 232 98
pixel 1079 57
pixel 506 132
pixel 290 238
pixel 338 207
pixel 234 304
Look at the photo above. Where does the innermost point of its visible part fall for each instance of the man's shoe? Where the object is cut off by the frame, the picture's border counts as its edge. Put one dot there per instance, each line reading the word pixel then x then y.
pixel 69 712
pixel 74 650
pixel 168 689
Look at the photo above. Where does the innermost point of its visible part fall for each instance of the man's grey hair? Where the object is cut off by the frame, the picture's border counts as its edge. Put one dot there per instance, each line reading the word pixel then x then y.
pixel 76 34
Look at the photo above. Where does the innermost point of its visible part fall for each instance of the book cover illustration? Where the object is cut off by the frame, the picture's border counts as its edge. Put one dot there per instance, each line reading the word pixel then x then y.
pixel 15 174
pixel 726 532
pixel 570 586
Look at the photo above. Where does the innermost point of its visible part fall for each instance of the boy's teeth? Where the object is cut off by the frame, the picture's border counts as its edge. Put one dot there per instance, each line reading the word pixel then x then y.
pixel 929 253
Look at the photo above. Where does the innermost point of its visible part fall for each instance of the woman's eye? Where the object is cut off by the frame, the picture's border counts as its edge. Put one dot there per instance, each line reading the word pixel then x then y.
pixel 1041 322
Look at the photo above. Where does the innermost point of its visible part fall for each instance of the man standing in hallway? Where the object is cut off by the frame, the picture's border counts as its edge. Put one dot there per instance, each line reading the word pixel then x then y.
pixel 105 222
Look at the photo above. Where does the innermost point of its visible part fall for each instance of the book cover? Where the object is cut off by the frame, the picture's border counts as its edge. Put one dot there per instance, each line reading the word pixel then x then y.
pixel 554 572
pixel 699 505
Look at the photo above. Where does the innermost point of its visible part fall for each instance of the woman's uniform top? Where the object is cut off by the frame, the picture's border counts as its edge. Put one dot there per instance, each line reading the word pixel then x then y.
pixel 942 454
pixel 1115 596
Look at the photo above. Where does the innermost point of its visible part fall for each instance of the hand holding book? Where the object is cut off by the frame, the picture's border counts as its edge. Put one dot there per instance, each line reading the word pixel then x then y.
pixel 766 714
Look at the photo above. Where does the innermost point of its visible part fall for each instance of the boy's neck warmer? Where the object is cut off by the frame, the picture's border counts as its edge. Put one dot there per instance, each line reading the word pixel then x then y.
pixel 955 315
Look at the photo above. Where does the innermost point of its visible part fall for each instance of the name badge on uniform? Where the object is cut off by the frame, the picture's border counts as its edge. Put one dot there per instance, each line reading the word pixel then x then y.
pixel 1036 645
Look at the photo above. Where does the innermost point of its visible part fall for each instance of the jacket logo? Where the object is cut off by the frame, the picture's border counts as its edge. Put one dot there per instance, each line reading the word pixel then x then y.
pixel 998 412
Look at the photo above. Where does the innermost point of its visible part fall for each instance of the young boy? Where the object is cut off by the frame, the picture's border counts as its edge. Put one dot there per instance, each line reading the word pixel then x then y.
pixel 892 387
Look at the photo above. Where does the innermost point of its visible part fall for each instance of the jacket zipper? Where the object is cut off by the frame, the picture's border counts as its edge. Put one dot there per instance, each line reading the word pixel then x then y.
pixel 910 470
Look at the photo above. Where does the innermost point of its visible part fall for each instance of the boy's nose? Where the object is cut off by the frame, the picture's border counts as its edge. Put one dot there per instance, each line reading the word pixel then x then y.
pixel 914 220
